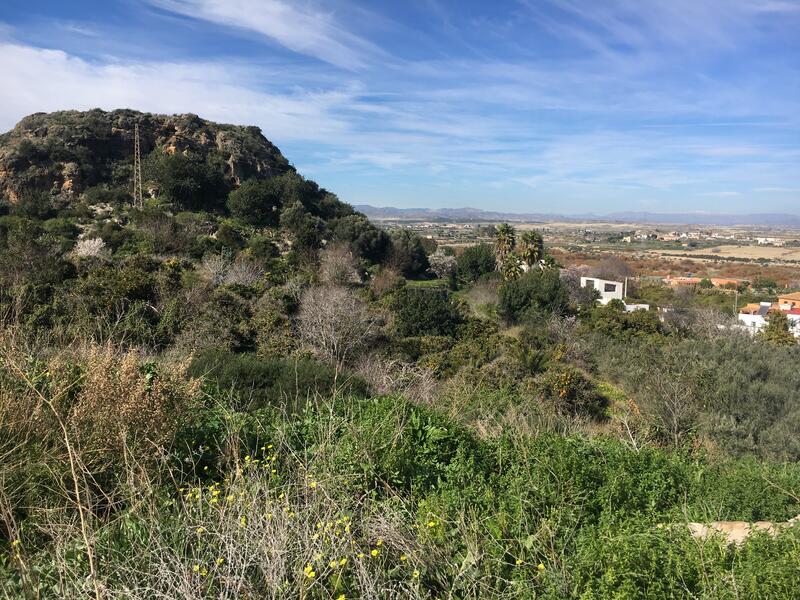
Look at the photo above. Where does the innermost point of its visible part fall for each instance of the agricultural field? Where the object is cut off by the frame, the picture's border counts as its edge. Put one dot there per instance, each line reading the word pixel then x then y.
pixel 773 254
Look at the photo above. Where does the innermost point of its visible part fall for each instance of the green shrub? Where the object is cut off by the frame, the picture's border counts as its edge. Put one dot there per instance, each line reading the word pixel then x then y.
pixel 272 381
pixel 256 202
pixel 475 262
pixel 536 291
pixel 421 311
pixel 407 255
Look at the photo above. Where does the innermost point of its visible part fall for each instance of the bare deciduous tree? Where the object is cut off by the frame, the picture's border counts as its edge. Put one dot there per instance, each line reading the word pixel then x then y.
pixel 614 268
pixel 335 323
pixel 338 266
pixel 673 388
pixel 243 271
pixel 215 266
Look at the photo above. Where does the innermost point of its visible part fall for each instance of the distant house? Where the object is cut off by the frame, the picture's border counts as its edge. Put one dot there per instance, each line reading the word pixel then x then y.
pixel 792 300
pixel 753 317
pixel 723 281
pixel 609 290
pixel 676 281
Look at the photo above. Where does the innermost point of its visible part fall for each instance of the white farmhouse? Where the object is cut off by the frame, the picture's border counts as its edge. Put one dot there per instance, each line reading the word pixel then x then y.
pixel 609 290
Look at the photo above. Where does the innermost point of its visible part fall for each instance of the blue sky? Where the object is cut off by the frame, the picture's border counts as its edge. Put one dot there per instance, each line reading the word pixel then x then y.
pixel 568 106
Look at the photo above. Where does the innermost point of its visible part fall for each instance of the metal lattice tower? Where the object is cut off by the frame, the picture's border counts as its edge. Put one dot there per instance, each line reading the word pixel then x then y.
pixel 137 169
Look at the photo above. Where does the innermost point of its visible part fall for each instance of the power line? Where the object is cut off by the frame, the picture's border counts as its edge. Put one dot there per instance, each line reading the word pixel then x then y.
pixel 138 201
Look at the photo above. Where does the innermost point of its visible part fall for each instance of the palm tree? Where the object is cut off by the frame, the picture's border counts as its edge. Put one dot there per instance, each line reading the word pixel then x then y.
pixel 532 248
pixel 548 262
pixel 504 242
pixel 511 267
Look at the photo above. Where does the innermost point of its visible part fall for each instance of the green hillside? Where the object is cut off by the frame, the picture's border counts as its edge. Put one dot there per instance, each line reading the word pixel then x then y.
pixel 244 389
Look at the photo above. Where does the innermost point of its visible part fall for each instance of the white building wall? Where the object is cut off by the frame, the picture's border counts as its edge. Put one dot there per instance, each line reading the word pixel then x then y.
pixel 609 290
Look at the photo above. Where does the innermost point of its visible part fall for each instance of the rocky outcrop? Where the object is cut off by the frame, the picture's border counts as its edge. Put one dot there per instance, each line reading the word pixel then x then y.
pixel 65 153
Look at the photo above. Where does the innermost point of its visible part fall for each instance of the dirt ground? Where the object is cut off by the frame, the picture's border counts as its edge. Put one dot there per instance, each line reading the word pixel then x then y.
pixel 664 265
pixel 751 252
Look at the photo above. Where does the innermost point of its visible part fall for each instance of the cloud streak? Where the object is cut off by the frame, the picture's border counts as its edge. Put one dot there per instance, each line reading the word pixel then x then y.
pixel 302 29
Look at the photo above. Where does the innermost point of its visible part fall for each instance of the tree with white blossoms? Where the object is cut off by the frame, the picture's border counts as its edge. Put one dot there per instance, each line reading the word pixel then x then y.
pixel 90 247
pixel 442 265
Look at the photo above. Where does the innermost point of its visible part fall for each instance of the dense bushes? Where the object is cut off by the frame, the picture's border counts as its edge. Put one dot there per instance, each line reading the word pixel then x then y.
pixel 475 262
pixel 407 254
pixel 421 311
pixel 186 180
pixel 741 395
pixel 538 291
pixel 256 202
pixel 272 381
pixel 378 496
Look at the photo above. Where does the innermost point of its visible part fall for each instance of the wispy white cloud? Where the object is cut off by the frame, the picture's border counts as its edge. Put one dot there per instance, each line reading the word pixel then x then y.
pixel 48 80
pixel 301 28
pixel 778 190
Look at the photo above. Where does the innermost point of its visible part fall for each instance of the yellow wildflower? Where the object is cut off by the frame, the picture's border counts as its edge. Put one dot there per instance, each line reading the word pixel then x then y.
pixel 375 552
pixel 540 566
pixel 403 557
pixel 415 574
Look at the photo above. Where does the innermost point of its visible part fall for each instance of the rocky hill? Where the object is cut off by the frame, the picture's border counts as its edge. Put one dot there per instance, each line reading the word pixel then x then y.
pixel 65 153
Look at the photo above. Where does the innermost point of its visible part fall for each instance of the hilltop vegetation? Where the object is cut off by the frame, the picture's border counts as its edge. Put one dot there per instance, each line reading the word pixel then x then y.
pixel 243 388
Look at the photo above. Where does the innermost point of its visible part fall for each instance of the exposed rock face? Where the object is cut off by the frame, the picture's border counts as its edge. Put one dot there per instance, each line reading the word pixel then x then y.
pixel 65 153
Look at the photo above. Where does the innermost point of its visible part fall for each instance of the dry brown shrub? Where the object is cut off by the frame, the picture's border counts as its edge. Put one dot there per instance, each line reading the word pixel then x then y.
pixel 393 376
pixel 124 402
pixel 385 281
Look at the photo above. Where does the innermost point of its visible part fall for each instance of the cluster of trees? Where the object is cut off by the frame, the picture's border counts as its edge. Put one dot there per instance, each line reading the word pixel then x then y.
pixel 511 257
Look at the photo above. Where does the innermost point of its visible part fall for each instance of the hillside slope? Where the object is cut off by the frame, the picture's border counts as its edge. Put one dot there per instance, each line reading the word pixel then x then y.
pixel 65 153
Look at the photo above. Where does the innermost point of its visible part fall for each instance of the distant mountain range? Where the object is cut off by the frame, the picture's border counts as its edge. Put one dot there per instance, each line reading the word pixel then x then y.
pixel 466 215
